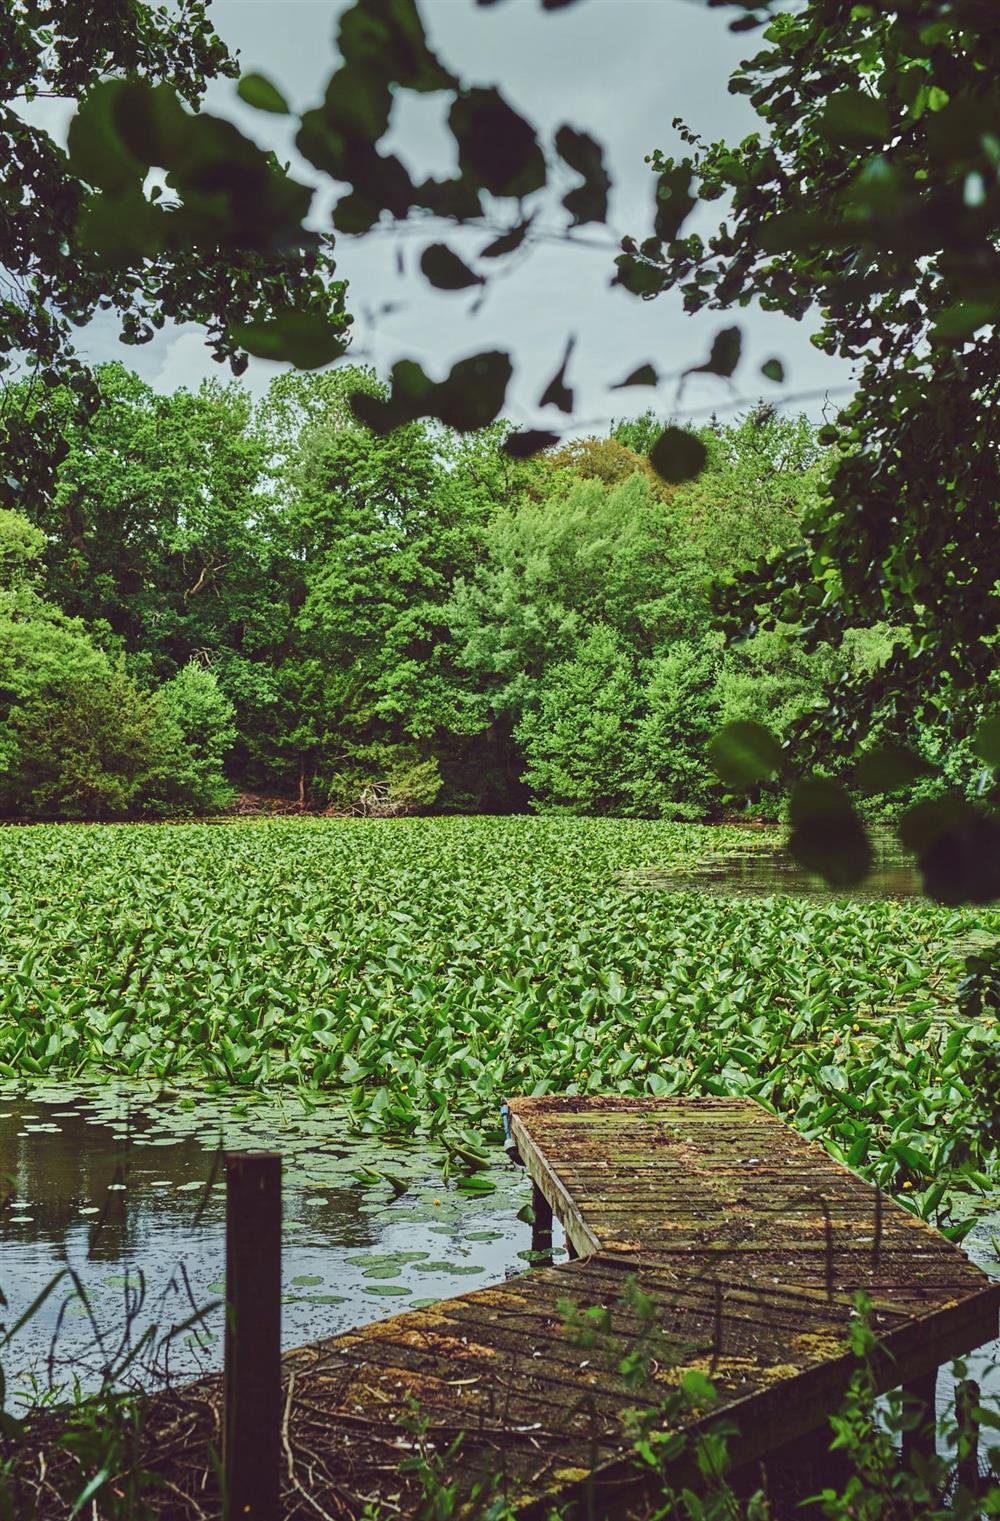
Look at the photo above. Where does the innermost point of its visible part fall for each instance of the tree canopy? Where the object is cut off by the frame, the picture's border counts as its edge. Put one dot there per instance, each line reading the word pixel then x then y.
pixel 218 240
pixel 415 611
pixel 871 197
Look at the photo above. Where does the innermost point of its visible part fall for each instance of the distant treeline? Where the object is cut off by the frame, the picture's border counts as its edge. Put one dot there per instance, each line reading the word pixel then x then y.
pixel 224 595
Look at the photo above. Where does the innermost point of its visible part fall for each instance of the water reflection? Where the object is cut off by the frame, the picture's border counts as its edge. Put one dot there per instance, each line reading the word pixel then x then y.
pixel 119 1186
pixel 763 870
pixel 122 1187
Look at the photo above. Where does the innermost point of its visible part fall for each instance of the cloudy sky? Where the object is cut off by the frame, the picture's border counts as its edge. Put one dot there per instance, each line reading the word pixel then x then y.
pixel 619 69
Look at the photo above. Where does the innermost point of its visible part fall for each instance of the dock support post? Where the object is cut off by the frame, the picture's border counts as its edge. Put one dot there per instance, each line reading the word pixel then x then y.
pixel 541 1228
pixel 967 1397
pixel 920 1438
pixel 251 1439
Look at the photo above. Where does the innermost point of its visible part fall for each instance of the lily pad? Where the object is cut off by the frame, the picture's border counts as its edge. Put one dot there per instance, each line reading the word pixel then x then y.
pixel 394 1259
pixel 459 1269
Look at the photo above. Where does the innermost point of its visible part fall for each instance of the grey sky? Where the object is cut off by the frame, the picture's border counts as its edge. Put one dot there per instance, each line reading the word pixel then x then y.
pixel 620 69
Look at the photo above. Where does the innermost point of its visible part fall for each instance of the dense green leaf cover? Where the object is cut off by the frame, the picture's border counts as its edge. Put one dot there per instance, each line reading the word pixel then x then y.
pixel 868 202
pixel 216 239
pixel 417 610
pixel 426 968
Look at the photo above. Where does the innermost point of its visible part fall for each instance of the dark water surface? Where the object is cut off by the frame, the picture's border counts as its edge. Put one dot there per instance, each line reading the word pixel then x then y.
pixel 761 870
pixel 120 1186
pixel 116 1184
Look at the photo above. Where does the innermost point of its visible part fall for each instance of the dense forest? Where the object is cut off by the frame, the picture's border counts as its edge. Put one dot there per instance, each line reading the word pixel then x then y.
pixel 221 596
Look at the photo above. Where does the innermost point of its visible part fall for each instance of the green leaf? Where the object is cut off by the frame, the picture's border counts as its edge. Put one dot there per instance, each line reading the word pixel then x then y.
pixel 557 393
pixel 88 1491
pixel 305 339
pixel 470 397
pixel 799 232
pixel 677 455
pixel 122 229
pixel 910 1157
pixel 445 270
pixel 964 319
pixel 773 369
pixel 698 1387
pixel 674 200
pixel 528 441
pixel 497 148
pixel 507 242
pixel 957 848
pixel 587 202
pixel 890 767
pixel 827 836
pixel 156 129
pixel 475 1184
pixel 855 119
pixel 724 356
pixel 645 375
pixel 474 391
pixel 931 1199
pixel 744 753
pixel 986 741
pixel 262 94
pixel 98 152
pixel 386 39
pixel 638 276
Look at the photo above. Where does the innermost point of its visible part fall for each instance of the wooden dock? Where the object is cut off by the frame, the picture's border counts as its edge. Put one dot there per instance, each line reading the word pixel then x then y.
pixel 749 1244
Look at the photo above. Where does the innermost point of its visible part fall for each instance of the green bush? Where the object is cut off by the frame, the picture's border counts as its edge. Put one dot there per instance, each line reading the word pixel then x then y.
pixel 672 780
pixel 21 548
pixel 579 742
pixel 79 738
pixel 87 749
pixel 200 727
pixel 385 780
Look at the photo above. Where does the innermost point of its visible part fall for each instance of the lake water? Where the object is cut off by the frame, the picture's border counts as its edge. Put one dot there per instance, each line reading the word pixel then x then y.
pixel 116 1183
pixel 760 869
pixel 117 1187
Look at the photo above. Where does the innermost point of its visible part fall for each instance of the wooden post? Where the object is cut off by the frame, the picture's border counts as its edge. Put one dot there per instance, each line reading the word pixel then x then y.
pixel 921 1438
pixel 541 1228
pixel 252 1370
pixel 967 1396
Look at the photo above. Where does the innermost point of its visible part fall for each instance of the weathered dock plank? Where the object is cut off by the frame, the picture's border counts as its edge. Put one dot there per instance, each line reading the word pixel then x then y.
pixel 738 1194
pixel 746 1244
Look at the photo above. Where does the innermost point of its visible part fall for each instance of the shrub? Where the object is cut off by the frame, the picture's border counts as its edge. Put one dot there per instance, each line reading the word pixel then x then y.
pixel 579 741
pixel 86 750
pixel 385 780
pixel 672 779
pixel 79 738
pixel 199 723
